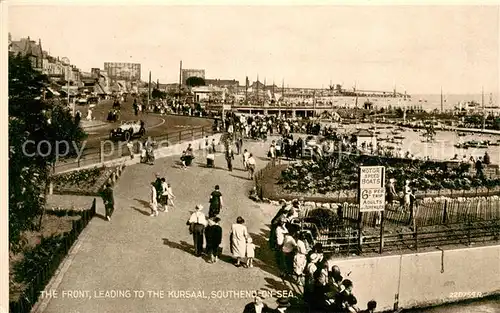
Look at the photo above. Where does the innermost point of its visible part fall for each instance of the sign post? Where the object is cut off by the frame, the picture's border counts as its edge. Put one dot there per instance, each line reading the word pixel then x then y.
pixel 371 194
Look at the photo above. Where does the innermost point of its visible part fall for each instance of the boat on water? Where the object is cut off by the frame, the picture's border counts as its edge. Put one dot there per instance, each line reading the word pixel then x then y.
pixel 476 144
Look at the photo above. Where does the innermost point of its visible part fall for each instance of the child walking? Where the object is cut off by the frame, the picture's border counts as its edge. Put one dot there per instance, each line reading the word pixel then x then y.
pixel 170 195
pixel 250 252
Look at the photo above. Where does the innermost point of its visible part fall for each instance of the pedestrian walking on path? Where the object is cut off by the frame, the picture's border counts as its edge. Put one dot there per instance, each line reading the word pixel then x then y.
pixel 238 240
pixel 164 194
pixel 170 195
pixel 197 223
pixel 251 166
pixel 250 252
pixel 246 155
pixel 154 201
pixel 229 158
pixel 109 202
pixel 215 202
pixel 213 238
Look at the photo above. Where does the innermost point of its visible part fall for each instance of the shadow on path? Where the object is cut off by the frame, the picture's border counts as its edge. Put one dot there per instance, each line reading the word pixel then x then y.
pixel 183 246
pixel 143 212
pixel 102 217
pixel 144 203
pixel 265 256
pixel 240 177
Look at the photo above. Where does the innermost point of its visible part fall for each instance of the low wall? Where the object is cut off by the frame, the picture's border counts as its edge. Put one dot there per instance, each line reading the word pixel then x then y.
pixel 425 279
pixel 163 152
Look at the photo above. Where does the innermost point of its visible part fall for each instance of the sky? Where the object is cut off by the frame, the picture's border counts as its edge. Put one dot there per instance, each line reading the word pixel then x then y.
pixel 418 49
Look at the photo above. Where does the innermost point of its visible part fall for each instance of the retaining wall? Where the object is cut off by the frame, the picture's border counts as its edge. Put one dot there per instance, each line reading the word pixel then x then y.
pixel 425 279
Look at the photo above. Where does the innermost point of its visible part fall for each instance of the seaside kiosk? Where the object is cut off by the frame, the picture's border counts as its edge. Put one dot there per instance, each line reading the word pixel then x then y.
pixel 365 137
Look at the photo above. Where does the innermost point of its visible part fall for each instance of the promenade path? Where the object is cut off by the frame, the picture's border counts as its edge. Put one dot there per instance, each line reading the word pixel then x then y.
pixel 138 252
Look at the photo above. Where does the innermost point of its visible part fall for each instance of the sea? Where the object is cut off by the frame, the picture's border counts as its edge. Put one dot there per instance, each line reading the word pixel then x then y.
pixel 431 102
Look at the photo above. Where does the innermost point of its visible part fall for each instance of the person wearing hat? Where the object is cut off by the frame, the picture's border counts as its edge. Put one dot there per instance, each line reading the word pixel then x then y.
pixel 257 305
pixel 283 305
pixel 197 223
pixel 309 272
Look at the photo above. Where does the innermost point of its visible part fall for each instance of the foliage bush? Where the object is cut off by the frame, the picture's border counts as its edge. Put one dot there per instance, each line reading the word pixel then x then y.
pixel 83 178
pixel 332 174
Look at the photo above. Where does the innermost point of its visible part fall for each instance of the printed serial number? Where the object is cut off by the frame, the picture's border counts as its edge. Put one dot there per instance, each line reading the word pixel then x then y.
pixel 466 294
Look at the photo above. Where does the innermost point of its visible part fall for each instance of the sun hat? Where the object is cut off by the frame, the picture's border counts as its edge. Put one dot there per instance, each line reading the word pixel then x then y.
pixel 283 302
pixel 314 257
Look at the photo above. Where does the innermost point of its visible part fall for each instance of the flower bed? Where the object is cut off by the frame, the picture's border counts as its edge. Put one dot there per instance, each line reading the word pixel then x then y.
pixel 331 174
pixel 87 182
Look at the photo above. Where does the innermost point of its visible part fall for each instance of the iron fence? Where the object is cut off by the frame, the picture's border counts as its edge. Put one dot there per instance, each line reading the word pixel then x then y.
pixel 101 154
pixel 30 295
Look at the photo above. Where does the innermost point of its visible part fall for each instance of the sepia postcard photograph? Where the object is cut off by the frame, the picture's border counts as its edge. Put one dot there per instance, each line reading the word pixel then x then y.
pixel 225 157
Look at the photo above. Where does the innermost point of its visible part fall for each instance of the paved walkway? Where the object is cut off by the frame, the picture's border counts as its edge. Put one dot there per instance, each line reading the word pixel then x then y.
pixel 138 252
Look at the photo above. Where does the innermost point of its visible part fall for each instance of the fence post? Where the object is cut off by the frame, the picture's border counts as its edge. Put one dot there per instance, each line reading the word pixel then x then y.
pixel 381 247
pixel 416 237
pixel 445 212
pixel 202 132
pixel 360 232
pixel 180 136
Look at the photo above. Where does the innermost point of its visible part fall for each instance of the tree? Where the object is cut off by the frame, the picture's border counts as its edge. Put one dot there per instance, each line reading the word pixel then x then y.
pixel 35 128
pixel 195 81
pixel 156 93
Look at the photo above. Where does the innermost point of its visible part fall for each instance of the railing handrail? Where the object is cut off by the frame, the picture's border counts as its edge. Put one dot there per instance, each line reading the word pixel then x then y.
pixel 176 136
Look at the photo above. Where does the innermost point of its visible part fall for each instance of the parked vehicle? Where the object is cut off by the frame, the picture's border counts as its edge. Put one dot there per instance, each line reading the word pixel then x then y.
pixel 128 130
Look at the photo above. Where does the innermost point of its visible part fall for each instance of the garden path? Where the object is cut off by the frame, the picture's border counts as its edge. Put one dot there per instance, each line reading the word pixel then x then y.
pixel 138 252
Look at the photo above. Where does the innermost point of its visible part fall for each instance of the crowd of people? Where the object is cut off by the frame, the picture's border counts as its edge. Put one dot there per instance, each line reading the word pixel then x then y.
pixel 303 262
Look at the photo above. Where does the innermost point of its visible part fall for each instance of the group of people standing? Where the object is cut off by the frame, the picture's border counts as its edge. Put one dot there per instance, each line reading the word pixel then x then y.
pixel 303 262
pixel 162 196
pixel 200 226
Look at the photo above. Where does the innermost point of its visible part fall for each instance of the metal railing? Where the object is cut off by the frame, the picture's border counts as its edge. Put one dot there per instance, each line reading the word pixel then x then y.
pixel 30 295
pixel 101 154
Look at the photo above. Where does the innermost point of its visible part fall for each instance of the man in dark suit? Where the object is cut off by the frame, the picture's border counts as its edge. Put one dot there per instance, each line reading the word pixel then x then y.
pixel 109 202
pixel 257 306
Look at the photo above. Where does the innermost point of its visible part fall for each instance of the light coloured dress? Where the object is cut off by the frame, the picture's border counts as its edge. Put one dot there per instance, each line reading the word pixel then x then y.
pixel 300 258
pixel 239 240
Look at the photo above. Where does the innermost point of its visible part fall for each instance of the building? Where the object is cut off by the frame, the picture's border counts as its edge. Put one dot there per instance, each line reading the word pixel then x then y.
pixel 123 71
pixel 222 83
pixel 29 48
pixel 186 73
pixel 365 138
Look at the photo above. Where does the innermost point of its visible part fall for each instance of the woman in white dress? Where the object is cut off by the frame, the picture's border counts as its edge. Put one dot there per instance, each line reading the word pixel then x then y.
pixel 238 240
pixel 407 195
pixel 300 259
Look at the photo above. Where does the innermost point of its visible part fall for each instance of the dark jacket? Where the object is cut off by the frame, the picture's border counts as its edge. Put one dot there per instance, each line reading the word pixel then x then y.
pixel 107 196
pixel 213 235
pixel 250 308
